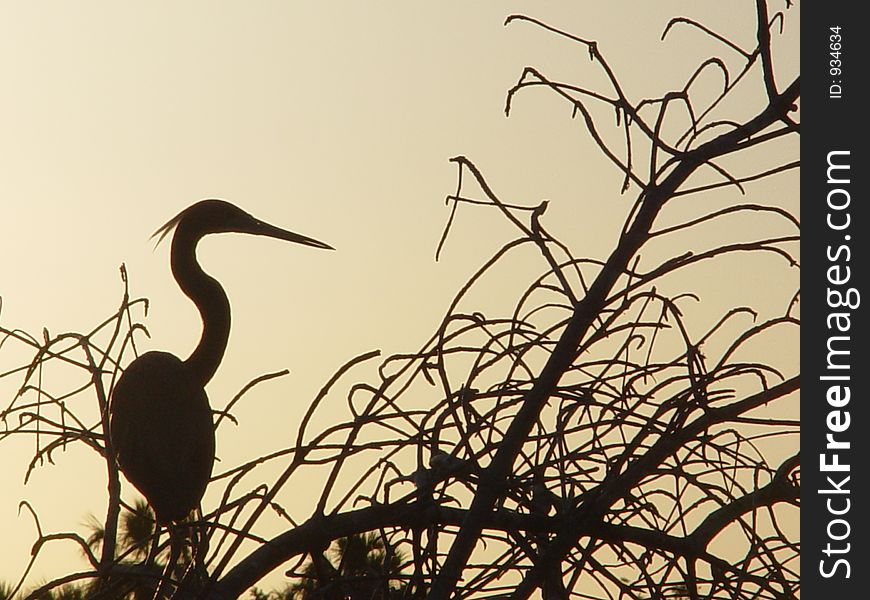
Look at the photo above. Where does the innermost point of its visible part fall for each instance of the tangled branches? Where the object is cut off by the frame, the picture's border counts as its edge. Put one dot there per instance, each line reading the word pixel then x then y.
pixel 593 442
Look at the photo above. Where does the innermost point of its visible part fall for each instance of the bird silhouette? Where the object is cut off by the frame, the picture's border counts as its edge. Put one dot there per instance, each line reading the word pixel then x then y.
pixel 161 426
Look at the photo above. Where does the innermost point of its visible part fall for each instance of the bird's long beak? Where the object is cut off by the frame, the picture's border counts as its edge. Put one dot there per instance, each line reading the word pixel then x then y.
pixel 263 228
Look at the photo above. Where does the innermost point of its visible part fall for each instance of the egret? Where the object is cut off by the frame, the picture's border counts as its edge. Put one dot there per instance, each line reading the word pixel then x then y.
pixel 161 425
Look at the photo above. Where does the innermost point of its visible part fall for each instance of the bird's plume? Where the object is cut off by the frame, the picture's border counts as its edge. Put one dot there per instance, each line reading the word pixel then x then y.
pixel 166 228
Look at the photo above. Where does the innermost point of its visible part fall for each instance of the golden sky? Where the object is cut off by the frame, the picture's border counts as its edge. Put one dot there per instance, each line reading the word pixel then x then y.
pixel 333 119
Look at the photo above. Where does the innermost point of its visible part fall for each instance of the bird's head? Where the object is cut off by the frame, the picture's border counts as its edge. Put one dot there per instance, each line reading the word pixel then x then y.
pixel 220 216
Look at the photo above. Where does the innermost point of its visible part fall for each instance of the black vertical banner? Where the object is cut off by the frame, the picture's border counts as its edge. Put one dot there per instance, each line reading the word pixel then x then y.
pixel 835 425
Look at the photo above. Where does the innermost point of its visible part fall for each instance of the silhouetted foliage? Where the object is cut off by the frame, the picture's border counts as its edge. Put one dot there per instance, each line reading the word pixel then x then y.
pixel 600 440
pixel 361 567
pixel 6 590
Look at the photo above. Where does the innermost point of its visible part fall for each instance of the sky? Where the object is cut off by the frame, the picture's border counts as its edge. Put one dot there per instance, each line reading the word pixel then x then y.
pixel 333 119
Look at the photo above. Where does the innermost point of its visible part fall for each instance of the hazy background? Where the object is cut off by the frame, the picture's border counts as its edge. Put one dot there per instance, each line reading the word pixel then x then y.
pixel 333 119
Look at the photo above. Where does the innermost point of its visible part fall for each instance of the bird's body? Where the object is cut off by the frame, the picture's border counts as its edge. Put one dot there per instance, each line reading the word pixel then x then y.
pixel 161 424
pixel 157 399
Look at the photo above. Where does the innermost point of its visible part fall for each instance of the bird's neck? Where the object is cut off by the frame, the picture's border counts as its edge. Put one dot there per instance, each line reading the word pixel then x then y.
pixel 211 300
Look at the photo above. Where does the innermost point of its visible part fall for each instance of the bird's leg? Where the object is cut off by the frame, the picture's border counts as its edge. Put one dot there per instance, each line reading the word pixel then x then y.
pixel 195 580
pixel 200 547
pixel 176 543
